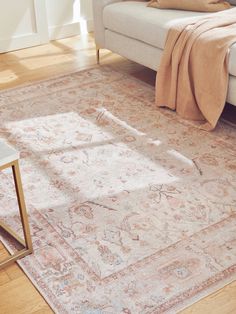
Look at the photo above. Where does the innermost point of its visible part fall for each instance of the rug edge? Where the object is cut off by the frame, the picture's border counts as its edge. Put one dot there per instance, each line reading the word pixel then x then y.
pixel 55 76
pixel 175 309
pixel 203 294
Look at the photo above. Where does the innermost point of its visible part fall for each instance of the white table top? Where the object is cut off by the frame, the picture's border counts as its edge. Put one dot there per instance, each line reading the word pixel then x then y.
pixel 7 154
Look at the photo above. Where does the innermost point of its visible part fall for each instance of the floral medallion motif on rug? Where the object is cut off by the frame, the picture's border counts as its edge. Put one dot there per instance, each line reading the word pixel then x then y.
pixel 132 210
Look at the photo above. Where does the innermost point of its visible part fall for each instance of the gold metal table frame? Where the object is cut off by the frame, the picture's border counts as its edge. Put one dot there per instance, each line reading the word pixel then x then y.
pixel 27 242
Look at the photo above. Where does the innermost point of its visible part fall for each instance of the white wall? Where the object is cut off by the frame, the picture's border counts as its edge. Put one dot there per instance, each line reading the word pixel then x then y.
pixel 68 17
pixel 86 9
pixel 87 13
pixel 25 23
pixel 63 18
pixel 22 18
pixel 20 24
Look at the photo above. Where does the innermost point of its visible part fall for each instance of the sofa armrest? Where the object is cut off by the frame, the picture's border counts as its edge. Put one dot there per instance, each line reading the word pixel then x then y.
pixel 99 29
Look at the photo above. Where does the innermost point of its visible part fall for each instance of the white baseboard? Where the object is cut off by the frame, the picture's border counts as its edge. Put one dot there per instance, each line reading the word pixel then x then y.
pixel 55 32
pixel 90 26
pixel 19 42
pixel 72 29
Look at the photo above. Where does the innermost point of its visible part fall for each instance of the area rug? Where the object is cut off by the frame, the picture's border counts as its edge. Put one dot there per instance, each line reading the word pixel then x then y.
pixel 132 209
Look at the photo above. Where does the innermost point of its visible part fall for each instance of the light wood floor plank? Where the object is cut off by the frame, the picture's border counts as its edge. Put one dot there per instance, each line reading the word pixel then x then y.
pixel 18 296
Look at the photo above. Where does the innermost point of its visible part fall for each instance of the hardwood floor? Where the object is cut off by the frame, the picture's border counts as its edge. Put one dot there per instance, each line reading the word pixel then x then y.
pixel 58 57
pixel 17 293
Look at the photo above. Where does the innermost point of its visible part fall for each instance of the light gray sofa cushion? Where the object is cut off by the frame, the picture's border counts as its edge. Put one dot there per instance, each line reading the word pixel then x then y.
pixel 135 20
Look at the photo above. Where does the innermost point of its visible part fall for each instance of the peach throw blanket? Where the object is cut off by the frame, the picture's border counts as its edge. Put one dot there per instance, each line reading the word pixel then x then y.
pixel 193 75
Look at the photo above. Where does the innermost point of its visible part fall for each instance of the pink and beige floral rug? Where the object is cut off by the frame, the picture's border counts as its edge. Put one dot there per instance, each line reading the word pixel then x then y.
pixel 132 209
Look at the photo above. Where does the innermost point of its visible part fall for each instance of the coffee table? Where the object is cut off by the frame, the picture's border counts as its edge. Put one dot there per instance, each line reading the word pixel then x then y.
pixel 9 158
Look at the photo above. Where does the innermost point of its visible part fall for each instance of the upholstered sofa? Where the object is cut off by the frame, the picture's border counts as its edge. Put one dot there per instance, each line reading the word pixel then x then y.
pixel 138 32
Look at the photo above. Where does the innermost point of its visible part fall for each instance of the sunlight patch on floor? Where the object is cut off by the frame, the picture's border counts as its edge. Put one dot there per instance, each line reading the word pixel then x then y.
pixel 66 143
pixel 154 142
pixel 123 124
pixel 38 62
pixel 83 26
pixel 55 133
pixel 7 76
pixel 180 157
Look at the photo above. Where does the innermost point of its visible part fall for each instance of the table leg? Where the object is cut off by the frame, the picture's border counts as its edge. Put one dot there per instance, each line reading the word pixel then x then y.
pixel 21 203
pixel 27 242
